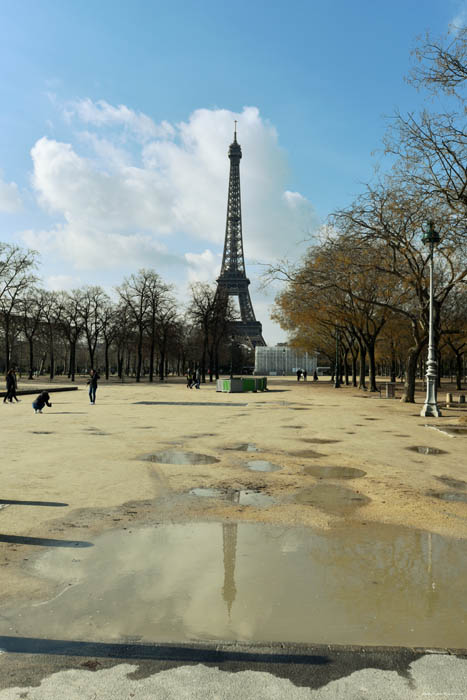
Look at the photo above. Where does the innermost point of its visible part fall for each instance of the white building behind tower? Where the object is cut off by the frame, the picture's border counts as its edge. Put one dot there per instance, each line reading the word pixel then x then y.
pixel 281 360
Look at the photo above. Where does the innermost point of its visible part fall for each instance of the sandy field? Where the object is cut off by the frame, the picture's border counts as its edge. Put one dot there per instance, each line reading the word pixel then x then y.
pixel 77 470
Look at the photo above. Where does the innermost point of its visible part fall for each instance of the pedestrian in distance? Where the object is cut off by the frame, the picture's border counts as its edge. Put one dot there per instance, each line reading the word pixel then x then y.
pixel 10 387
pixel 315 376
pixel 92 382
pixel 299 374
pixel 42 400
pixel 305 375
pixel 197 378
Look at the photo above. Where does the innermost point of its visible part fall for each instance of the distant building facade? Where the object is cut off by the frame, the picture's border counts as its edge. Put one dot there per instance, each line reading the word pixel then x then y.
pixel 281 360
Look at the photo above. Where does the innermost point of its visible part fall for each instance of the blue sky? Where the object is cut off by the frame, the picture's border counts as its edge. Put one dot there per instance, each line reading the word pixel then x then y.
pixel 116 119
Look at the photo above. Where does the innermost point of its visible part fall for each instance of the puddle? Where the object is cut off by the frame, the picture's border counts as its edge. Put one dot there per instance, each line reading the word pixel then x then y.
pixel 319 441
pixel 453 483
pixel 426 450
pixel 42 432
pixel 186 403
pixel 178 457
pixel 207 493
pixel 453 496
pixel 334 472
pixel 331 498
pixel 375 585
pixel 306 453
pixel 295 427
pixel 261 465
pixel 451 430
pixel 244 447
pixel 254 498
pixel 198 435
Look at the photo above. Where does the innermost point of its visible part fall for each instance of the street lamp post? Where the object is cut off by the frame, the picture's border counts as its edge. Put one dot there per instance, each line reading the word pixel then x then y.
pixel 337 369
pixel 430 407
pixel 232 338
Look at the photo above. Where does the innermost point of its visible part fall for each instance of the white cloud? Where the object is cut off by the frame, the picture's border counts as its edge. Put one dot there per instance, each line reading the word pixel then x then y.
pixel 101 113
pixel 203 267
pixel 460 19
pixel 10 200
pixel 123 199
pixel 57 283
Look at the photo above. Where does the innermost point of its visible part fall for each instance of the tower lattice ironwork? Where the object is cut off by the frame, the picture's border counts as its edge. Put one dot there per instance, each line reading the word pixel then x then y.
pixel 232 279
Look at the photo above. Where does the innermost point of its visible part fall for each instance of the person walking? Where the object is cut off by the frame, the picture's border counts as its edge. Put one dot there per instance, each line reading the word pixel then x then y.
pixel 197 378
pixel 305 375
pixel 299 374
pixel 10 387
pixel 93 379
pixel 315 376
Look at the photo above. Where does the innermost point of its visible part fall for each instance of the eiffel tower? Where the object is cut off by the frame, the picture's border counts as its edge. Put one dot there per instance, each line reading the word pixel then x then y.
pixel 232 279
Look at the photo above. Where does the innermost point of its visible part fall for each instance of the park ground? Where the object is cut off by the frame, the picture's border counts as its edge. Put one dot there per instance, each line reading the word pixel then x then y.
pixel 95 462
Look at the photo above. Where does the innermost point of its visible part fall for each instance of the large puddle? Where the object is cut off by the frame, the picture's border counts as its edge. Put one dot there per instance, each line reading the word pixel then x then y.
pixel 374 585
pixel 242 497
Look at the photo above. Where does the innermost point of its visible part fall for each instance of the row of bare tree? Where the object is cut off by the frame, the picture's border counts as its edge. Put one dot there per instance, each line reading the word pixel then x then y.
pixel 142 330
pixel 366 280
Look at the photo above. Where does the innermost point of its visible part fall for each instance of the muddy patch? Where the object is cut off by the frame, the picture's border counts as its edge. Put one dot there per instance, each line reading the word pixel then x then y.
pixel 450 496
pixel 243 447
pixel 422 450
pixel 178 457
pixel 262 465
pixel 294 427
pixel 319 441
pixel 331 498
pixel 451 430
pixel 334 472
pixel 42 432
pixel 308 454
pixel 450 481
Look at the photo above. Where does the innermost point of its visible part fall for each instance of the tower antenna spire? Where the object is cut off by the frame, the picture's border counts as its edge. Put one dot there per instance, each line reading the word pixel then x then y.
pixel 235 130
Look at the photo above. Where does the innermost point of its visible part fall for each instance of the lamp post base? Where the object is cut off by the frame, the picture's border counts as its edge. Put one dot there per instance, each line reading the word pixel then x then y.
pixel 430 409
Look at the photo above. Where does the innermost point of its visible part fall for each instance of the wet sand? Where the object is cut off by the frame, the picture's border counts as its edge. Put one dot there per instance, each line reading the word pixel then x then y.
pixel 78 471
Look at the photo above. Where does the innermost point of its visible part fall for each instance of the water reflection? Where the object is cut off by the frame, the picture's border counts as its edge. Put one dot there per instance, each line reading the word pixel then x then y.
pixel 367 585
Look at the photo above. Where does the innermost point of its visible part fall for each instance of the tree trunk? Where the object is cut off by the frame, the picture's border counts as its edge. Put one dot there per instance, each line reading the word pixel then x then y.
pixel 106 359
pixel 354 370
pixel 31 358
pixel 152 350
pixel 72 361
pixel 458 371
pixel 139 356
pixel 408 395
pixel 346 367
pixel 161 364
pixel 362 353
pixel 372 365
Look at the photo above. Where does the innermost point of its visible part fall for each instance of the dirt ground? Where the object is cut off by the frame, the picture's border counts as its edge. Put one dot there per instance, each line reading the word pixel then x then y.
pixel 77 470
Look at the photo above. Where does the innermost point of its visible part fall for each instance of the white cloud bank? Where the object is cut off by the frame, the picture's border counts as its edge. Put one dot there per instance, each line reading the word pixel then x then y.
pixel 10 200
pixel 140 184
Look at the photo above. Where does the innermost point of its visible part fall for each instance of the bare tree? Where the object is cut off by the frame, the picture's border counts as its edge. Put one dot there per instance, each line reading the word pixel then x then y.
pixel 92 303
pixel 31 309
pixel 134 294
pixel 71 323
